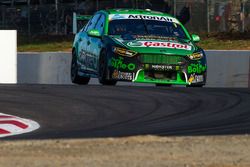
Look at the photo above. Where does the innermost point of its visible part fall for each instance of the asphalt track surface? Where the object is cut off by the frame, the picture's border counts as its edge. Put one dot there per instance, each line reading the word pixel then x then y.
pixel 73 111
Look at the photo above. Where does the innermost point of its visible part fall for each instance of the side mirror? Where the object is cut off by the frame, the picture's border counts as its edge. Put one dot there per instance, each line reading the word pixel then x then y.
pixel 94 33
pixel 195 38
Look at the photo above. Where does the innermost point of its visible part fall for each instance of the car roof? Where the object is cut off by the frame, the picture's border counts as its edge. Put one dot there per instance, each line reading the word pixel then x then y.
pixel 136 11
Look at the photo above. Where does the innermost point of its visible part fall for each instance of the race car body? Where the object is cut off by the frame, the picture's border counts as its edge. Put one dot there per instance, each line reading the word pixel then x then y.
pixel 139 46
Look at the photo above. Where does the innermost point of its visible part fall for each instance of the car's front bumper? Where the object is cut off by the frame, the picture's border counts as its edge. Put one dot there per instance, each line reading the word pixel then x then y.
pixel 167 70
pixel 142 78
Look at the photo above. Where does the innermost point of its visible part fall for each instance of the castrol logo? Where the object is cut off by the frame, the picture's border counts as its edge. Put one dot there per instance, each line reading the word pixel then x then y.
pixel 163 45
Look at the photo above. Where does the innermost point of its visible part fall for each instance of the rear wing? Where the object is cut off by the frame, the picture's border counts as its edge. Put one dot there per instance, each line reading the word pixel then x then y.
pixel 79 21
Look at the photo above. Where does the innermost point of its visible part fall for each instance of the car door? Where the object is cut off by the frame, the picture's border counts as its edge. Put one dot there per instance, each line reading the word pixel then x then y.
pixel 94 45
pixel 83 43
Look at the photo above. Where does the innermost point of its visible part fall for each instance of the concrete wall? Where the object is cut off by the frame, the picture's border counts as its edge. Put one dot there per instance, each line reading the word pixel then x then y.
pixel 228 68
pixel 43 68
pixel 225 68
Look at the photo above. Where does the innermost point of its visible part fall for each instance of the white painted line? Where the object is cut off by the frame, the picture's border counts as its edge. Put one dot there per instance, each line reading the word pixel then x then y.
pixel 12 125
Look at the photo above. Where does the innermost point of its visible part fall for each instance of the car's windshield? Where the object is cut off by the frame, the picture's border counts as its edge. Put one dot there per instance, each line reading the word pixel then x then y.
pixel 146 27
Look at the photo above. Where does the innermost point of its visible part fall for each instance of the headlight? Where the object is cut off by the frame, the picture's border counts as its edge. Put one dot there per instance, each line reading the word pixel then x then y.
pixel 196 56
pixel 123 52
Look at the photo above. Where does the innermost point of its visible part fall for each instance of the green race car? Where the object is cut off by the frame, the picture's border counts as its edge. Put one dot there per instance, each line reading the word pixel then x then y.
pixel 139 46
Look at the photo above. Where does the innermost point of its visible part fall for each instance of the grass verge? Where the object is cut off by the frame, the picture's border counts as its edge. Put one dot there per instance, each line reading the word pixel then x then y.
pixel 64 43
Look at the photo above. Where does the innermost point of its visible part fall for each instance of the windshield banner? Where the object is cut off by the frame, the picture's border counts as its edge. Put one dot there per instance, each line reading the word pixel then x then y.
pixel 140 16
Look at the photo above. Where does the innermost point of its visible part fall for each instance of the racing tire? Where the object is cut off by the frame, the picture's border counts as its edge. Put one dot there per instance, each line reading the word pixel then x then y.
pixel 75 78
pixel 103 70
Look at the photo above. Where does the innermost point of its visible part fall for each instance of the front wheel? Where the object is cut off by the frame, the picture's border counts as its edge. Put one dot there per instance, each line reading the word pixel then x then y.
pixel 103 70
pixel 75 78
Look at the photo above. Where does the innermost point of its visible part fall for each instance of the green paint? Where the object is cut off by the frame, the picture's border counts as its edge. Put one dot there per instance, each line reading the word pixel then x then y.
pixel 146 66
pixel 161 59
pixel 196 68
pixel 142 79
pixel 119 64
pixel 94 33
pixel 83 17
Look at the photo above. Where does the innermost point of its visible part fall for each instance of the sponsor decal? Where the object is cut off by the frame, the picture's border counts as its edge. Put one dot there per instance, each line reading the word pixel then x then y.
pixel 196 68
pixel 150 17
pixel 124 52
pixel 140 16
pixel 153 37
pixel 161 67
pixel 196 78
pixel 118 63
pixel 88 60
pixel 134 44
pixel 122 75
pixel 159 44
pixel 196 56
pixel 11 125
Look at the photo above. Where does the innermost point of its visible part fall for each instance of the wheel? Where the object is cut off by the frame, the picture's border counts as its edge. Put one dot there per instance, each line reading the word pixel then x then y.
pixel 163 85
pixel 103 69
pixel 75 78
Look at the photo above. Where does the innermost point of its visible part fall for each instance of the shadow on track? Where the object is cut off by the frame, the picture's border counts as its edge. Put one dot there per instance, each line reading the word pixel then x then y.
pixel 100 111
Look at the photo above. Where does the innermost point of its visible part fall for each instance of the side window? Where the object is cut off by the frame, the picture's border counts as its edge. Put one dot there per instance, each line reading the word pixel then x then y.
pixel 92 22
pixel 86 26
pixel 100 24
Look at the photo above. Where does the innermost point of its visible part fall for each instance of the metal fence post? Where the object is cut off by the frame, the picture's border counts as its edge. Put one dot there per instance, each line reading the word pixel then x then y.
pixel 175 8
pixel 208 16
pixel 74 23
pixel 29 26
pixel 243 16
pixel 56 6
pixel 2 18
pixel 97 5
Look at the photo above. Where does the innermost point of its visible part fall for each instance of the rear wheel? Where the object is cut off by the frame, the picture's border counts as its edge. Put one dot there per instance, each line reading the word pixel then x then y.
pixel 75 78
pixel 103 70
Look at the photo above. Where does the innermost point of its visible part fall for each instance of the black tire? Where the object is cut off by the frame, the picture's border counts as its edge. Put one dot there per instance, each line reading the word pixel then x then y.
pixel 75 78
pixel 163 85
pixel 103 70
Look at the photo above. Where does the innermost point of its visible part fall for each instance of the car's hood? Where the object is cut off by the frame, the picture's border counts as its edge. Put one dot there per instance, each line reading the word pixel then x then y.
pixel 156 44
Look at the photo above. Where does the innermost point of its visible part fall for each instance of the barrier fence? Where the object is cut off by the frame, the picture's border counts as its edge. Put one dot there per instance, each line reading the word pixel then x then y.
pixel 55 17
pixel 54 68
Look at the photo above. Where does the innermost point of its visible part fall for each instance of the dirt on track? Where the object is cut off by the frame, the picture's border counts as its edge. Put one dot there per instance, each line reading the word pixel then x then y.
pixel 140 151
